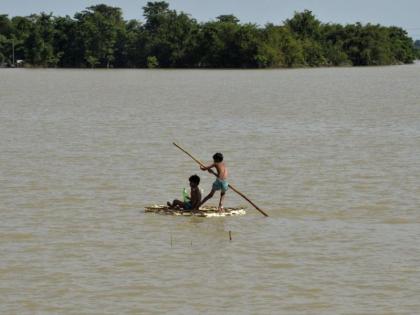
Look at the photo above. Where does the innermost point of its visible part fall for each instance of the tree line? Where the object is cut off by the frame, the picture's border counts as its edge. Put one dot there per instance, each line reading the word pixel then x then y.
pixel 100 37
pixel 417 47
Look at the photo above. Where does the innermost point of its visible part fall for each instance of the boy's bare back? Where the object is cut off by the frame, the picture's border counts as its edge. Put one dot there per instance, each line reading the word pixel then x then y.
pixel 222 172
pixel 195 198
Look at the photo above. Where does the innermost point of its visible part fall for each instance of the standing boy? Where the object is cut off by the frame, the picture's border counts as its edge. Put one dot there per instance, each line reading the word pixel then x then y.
pixel 220 183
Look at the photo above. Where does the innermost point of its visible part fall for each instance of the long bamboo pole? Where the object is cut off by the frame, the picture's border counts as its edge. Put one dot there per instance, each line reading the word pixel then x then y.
pixel 214 173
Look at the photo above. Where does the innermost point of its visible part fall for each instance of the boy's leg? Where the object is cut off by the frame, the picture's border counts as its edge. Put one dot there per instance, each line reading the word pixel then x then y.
pixel 176 203
pixel 207 197
pixel 222 198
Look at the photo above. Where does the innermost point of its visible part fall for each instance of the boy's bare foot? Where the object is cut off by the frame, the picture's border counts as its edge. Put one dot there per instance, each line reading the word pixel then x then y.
pixel 221 209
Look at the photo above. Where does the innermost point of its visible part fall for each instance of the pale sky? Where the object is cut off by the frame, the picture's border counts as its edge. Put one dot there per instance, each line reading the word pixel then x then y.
pixel 403 13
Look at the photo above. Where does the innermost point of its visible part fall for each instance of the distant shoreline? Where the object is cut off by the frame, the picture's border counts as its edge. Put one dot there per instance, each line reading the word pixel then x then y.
pixel 99 37
pixel 415 62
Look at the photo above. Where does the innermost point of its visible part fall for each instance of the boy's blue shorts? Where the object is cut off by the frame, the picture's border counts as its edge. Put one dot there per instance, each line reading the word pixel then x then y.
pixel 220 185
pixel 187 205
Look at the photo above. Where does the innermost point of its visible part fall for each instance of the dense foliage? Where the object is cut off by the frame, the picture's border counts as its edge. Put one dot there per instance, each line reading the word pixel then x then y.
pixel 100 37
pixel 417 47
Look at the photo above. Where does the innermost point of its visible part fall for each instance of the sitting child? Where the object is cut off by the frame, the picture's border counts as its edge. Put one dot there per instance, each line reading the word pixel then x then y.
pixel 194 203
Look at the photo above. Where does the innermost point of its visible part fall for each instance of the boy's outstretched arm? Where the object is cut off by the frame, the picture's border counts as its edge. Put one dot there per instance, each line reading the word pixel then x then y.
pixel 207 168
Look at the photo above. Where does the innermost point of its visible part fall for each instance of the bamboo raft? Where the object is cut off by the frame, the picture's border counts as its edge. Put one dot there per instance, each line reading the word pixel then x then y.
pixel 206 211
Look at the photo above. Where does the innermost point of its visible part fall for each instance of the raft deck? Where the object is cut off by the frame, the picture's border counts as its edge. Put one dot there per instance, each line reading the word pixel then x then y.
pixel 206 211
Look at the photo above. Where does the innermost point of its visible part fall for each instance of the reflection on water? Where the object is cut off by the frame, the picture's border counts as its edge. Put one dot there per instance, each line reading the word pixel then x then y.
pixel 331 154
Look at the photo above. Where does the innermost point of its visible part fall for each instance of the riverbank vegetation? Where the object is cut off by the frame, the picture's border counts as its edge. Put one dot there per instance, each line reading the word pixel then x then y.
pixel 100 37
pixel 417 47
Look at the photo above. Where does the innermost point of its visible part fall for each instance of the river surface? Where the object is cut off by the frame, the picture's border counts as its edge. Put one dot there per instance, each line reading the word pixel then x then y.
pixel 332 155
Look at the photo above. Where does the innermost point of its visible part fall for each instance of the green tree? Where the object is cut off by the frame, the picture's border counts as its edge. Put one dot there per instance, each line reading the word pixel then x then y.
pixel 22 27
pixel 367 45
pixel 307 28
pixel 5 34
pixel 248 42
pixel 152 62
pixel 6 26
pixel 219 43
pixel 67 46
pixel 304 25
pixel 125 54
pixel 278 48
pixel 332 40
pixel 313 53
pixel 156 14
pixel 227 18
pixel 38 44
pixel 170 36
pixel 417 48
pixel 3 49
pixel 98 28
pixel 136 41
pixel 401 45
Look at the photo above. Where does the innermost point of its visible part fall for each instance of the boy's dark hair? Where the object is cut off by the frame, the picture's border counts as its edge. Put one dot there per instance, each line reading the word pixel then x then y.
pixel 218 157
pixel 195 179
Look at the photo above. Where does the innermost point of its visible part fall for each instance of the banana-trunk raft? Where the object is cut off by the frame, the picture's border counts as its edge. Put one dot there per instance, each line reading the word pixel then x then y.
pixel 206 211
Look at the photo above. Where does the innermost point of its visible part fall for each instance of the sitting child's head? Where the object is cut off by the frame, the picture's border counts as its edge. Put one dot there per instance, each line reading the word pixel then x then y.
pixel 194 180
pixel 218 157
